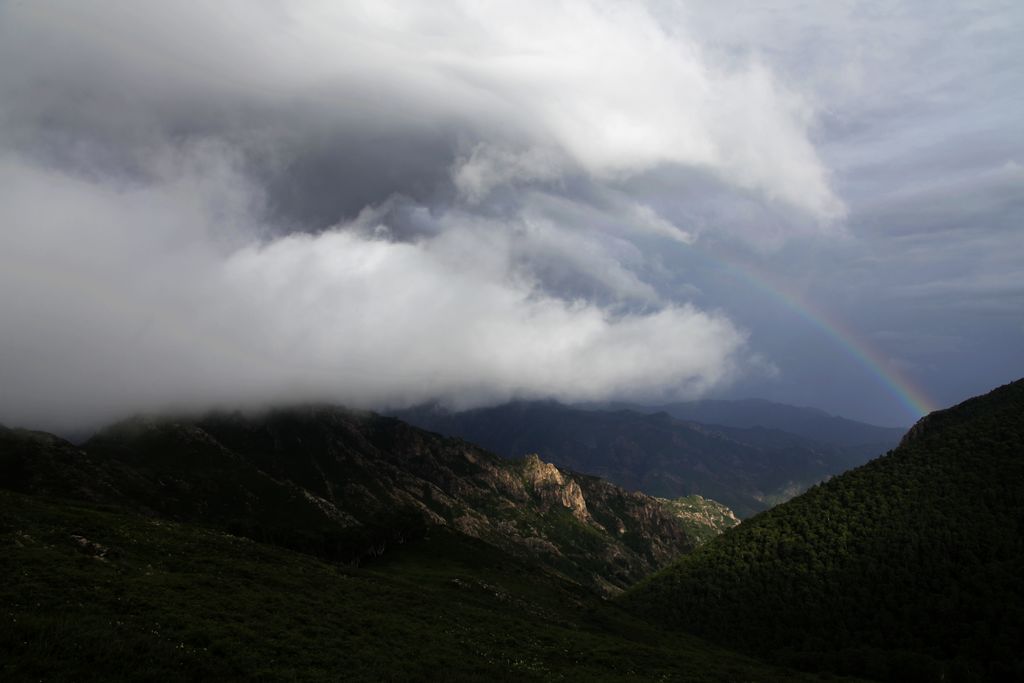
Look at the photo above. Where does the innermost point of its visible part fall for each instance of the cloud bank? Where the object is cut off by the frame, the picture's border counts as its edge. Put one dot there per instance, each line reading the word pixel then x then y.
pixel 147 297
pixel 374 203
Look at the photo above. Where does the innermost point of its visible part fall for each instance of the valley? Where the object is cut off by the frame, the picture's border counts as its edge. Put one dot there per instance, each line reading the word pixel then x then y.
pixel 749 464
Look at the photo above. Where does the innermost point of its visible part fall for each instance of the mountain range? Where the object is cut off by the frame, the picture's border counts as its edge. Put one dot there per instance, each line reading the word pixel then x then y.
pixel 748 464
pixel 341 483
pixel 810 423
pixel 317 542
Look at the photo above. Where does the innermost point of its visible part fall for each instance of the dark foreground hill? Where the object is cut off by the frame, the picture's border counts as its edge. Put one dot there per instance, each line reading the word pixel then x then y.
pixel 746 468
pixel 320 544
pixel 94 594
pixel 345 485
pixel 908 568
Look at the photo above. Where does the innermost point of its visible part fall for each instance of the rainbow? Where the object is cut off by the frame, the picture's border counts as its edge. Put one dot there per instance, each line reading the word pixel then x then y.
pixel 872 360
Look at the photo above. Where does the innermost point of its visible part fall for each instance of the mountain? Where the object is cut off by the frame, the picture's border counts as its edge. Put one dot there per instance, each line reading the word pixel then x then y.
pixel 317 543
pixel 345 485
pixel 810 423
pixel 747 469
pixel 910 567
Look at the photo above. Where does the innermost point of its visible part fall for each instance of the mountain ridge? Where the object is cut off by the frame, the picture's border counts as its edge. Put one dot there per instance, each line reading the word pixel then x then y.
pixel 748 469
pixel 805 421
pixel 343 483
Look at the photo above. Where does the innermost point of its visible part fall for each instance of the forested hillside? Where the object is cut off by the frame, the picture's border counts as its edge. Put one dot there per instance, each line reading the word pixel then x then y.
pixel 908 568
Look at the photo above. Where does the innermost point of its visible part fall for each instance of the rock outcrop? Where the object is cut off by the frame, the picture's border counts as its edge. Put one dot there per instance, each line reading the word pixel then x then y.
pixel 703 518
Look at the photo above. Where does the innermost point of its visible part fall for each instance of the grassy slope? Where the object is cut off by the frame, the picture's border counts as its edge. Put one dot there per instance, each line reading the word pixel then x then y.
pixel 141 598
pixel 908 568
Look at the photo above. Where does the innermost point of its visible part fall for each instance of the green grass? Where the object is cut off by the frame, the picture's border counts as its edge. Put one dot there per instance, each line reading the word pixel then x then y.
pixel 144 599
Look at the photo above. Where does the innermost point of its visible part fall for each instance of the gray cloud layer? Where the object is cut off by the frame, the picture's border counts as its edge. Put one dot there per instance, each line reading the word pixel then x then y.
pixel 380 203
pixel 147 296
pixel 373 203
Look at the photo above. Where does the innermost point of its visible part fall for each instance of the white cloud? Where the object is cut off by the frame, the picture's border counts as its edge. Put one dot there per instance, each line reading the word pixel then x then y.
pixel 123 299
pixel 488 167
pixel 474 235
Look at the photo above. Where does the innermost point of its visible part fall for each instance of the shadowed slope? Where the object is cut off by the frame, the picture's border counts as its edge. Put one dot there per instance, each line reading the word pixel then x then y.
pixel 908 568
pixel 347 485
pixel 95 595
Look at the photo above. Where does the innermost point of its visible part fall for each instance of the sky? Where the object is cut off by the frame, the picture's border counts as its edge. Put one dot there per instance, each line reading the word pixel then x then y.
pixel 385 203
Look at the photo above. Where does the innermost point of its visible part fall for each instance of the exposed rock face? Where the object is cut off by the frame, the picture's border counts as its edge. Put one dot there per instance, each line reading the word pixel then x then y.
pixel 554 488
pixel 704 518
pixel 313 473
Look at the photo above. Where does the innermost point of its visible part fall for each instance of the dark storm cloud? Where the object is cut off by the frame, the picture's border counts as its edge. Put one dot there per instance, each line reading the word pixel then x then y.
pixel 373 203
pixel 386 202
pixel 338 107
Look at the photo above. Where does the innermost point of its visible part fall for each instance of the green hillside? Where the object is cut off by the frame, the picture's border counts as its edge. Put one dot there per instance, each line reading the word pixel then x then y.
pixel 93 594
pixel 908 568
